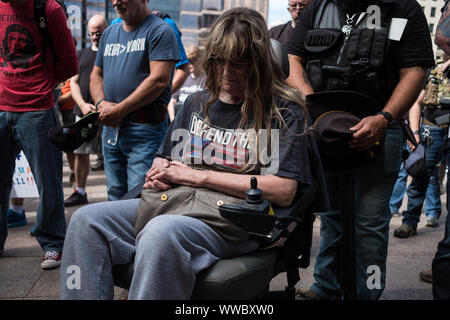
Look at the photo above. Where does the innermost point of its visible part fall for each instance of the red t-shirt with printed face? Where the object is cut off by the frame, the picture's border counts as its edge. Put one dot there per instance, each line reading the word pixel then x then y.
pixel 26 82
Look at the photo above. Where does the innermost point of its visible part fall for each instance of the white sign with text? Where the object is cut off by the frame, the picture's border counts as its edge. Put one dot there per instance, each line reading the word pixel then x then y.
pixel 23 184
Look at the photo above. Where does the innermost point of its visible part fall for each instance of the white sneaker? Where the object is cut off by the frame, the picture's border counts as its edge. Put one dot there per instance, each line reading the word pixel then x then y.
pixel 51 260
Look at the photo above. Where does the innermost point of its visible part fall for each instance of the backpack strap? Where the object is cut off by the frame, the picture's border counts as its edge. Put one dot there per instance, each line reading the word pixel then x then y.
pixel 161 14
pixel 40 17
pixel 41 21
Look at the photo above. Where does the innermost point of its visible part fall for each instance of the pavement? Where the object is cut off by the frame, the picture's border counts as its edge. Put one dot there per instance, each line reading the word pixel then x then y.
pixel 21 277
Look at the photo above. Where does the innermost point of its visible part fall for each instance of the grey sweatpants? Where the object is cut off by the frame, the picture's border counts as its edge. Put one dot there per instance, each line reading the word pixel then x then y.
pixel 169 252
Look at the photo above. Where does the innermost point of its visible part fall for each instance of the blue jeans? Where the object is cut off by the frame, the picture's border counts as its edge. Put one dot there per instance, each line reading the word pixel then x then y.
pixel 127 162
pixel 399 190
pixel 441 261
pixel 28 131
pixel 432 197
pixel 417 189
pixel 373 187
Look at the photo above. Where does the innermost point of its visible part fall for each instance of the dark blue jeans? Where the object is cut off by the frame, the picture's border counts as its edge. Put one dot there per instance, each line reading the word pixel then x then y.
pixel 432 198
pixel 28 131
pixel 417 189
pixel 441 261
pixel 127 162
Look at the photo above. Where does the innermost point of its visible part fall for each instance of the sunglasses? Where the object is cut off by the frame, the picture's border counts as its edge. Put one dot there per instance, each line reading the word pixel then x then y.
pixel 297 6
pixel 233 63
pixel 98 34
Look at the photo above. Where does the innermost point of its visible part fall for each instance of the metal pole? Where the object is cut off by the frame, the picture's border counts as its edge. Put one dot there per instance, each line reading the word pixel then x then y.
pixel 347 260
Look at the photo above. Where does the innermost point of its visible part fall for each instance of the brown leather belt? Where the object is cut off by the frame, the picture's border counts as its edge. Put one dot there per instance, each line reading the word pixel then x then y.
pixel 153 114
pixel 426 122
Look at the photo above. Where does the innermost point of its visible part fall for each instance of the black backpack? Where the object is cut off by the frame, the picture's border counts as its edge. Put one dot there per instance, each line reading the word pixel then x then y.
pixel 41 21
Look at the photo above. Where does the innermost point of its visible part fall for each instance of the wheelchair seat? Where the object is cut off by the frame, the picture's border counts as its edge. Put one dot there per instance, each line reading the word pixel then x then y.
pixel 240 278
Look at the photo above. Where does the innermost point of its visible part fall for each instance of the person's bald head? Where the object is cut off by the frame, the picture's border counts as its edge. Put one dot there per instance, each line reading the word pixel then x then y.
pixel 98 21
pixel 296 7
pixel 96 25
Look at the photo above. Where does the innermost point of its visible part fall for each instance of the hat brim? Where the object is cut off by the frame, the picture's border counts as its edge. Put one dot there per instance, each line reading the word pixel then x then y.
pixel 69 138
pixel 353 102
pixel 89 118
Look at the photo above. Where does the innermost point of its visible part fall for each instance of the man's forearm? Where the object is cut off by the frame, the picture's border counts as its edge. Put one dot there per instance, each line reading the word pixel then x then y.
pixel 406 92
pixel 414 112
pixel 179 77
pixel 76 91
pixel 298 78
pixel 147 92
pixel 96 86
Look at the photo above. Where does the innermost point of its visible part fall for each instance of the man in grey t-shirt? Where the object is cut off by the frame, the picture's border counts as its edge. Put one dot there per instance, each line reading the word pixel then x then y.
pixel 130 85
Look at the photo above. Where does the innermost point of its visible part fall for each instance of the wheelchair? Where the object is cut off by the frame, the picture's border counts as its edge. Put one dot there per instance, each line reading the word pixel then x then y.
pixel 248 277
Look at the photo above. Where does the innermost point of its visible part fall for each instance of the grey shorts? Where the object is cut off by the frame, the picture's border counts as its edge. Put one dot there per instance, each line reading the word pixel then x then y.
pixel 92 147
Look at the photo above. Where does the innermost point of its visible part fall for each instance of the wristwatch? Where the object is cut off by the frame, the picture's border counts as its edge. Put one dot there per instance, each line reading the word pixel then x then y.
pixel 387 116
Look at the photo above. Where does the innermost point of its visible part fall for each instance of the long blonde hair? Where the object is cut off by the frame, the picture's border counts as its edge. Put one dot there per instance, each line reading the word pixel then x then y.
pixel 241 34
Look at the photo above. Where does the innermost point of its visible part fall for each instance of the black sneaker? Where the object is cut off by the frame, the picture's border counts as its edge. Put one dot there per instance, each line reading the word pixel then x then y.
pixel 308 295
pixel 98 166
pixel 75 199
pixel 404 231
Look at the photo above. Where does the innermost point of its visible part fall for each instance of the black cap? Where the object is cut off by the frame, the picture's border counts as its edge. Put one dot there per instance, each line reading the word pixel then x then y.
pixel 333 114
pixel 69 138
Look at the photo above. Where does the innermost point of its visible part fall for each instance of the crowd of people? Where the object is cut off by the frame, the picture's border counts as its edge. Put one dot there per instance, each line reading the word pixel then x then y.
pixel 169 119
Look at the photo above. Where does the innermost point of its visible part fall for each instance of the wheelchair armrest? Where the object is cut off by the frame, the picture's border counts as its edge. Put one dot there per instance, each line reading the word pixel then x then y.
pixel 271 227
pixel 254 222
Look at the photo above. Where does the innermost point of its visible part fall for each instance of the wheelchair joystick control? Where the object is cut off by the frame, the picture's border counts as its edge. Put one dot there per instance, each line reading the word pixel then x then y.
pixel 253 214
pixel 254 195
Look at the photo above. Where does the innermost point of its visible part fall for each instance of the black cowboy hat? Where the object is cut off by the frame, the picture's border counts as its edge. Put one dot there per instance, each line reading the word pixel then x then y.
pixel 333 114
pixel 69 138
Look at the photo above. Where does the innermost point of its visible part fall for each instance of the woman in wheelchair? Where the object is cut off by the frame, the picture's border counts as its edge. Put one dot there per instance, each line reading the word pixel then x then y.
pixel 246 123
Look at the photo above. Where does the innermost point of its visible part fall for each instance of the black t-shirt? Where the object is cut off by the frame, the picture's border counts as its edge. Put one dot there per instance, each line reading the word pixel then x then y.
pixel 282 33
pixel 221 147
pixel 413 49
pixel 86 59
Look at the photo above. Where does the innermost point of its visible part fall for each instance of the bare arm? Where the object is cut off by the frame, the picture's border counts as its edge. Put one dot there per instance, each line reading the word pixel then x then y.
pixel 277 190
pixel 148 91
pixel 414 117
pixel 163 174
pixel 179 77
pixel 77 96
pixel 372 128
pixel 298 78
pixel 406 92
pixel 171 109
pixel 96 84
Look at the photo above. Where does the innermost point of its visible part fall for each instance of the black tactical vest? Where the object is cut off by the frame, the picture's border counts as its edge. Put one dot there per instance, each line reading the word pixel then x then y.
pixel 355 60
